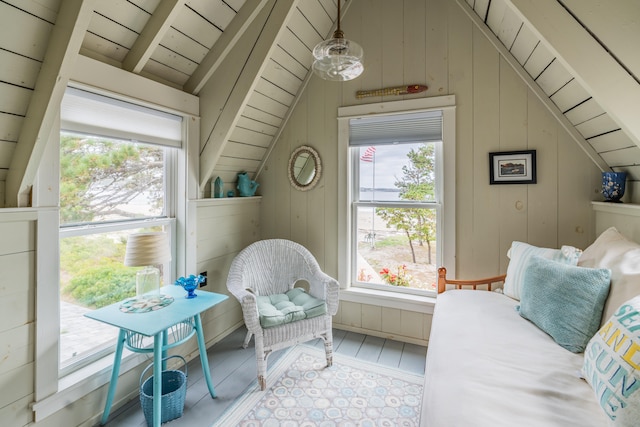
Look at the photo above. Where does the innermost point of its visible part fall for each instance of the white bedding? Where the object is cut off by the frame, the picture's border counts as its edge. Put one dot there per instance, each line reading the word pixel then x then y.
pixel 487 366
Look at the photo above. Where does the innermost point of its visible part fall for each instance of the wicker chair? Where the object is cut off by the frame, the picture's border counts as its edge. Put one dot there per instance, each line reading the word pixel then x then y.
pixel 269 267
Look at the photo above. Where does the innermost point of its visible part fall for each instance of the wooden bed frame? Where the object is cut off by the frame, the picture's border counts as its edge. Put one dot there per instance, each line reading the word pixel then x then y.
pixel 459 284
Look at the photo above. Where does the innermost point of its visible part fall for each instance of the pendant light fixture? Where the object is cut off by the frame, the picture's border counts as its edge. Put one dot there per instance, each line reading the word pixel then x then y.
pixel 338 59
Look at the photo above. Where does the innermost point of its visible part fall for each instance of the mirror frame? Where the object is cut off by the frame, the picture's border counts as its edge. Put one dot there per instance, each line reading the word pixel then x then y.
pixel 318 166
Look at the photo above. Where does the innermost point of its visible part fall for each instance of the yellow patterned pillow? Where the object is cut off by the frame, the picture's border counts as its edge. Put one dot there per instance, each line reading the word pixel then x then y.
pixel 612 365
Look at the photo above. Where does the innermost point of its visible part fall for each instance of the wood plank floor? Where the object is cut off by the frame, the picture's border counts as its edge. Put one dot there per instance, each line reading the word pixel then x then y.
pixel 233 369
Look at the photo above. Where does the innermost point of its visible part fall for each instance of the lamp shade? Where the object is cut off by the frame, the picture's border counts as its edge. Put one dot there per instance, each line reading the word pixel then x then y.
pixel 338 59
pixel 145 249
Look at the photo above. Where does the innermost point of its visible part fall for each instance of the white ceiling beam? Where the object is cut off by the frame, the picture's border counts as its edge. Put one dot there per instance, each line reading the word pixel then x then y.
pixel 152 34
pixel 224 45
pixel 590 63
pixel 534 87
pixel 64 44
pixel 244 86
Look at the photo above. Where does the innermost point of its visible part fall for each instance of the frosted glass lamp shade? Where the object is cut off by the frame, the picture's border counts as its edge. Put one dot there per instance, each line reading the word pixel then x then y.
pixel 338 59
pixel 147 250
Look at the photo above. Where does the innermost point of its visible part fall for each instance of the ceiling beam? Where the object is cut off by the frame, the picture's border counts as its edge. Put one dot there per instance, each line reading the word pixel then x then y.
pixel 244 86
pixel 152 34
pixel 534 87
pixel 584 57
pixel 64 44
pixel 224 45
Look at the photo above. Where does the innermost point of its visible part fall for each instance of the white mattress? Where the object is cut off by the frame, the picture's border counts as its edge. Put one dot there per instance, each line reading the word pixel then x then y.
pixel 487 366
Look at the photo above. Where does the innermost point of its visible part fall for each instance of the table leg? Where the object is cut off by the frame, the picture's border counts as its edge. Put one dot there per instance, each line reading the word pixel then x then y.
pixel 157 379
pixel 203 355
pixel 115 371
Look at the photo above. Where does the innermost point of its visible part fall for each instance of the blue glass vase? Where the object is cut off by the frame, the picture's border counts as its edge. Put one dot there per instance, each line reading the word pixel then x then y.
pixel 190 288
pixel 613 185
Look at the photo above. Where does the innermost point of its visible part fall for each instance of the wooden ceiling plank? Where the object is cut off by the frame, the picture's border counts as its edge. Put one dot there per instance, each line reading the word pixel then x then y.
pixel 538 61
pixel 314 12
pixel 153 32
pixel 18 70
pixel 64 45
pixel 587 60
pixel 247 81
pixel 264 103
pixel 610 141
pixel 585 111
pixel 553 78
pixel 262 116
pixel 15 22
pixel 103 50
pixel 304 30
pixel 283 59
pixel 10 126
pixel 524 44
pixel 597 126
pixel 570 95
pixel 124 13
pixel 47 10
pixel 533 86
pixel 224 45
pixel 256 126
pixel 629 156
pixel 107 29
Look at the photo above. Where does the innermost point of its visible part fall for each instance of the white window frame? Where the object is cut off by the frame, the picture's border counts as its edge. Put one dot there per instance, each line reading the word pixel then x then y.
pixel 51 393
pixel 346 187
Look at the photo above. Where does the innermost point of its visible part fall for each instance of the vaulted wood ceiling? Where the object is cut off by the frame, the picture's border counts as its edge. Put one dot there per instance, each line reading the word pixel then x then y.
pixel 185 43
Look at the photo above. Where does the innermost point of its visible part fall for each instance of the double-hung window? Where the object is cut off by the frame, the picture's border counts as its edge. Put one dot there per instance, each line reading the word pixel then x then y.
pixel 397 233
pixel 117 173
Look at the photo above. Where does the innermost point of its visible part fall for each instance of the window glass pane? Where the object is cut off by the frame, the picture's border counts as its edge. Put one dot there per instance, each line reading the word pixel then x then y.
pixel 397 172
pixel 109 180
pixel 92 275
pixel 396 247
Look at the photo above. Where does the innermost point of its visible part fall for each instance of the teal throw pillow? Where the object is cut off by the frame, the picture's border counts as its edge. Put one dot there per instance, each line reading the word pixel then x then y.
pixel 565 301
pixel 519 256
pixel 612 365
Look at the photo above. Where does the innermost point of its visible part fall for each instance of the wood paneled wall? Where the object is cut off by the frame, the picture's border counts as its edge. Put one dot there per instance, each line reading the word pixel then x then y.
pixel 434 42
pixel 224 227
pixel 17 329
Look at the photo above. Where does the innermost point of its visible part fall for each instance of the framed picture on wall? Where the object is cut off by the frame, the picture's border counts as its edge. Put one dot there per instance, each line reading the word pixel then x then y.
pixel 512 167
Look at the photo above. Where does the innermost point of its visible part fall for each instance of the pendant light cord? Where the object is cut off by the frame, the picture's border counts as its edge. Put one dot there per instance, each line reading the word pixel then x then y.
pixel 338 34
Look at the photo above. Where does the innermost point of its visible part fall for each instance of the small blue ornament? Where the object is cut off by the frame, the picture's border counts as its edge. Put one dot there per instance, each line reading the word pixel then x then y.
pixel 218 192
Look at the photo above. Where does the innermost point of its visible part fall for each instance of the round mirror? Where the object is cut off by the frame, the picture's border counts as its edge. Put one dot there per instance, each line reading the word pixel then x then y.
pixel 304 168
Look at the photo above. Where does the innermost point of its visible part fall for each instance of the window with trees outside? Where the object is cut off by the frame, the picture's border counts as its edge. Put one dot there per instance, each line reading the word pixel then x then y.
pixel 396 203
pixel 116 173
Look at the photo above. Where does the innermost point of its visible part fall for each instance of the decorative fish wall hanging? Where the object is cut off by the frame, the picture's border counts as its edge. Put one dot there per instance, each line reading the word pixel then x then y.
pixel 399 90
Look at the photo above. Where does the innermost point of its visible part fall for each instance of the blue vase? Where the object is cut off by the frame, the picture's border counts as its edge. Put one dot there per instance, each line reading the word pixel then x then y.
pixel 613 185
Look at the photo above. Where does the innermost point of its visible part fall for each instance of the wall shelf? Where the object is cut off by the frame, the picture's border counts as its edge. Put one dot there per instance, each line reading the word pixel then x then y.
pixel 226 200
pixel 617 208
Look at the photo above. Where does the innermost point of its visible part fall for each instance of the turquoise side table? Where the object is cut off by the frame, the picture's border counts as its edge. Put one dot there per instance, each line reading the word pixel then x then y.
pixel 156 324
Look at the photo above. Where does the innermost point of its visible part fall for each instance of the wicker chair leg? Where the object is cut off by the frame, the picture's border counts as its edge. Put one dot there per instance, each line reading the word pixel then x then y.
pixel 245 344
pixel 263 382
pixel 328 347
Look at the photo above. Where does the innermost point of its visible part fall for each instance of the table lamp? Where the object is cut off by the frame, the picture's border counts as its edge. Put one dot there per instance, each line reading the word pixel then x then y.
pixel 147 250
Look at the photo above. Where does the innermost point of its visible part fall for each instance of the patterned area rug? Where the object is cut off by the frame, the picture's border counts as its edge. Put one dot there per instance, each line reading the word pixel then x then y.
pixel 302 391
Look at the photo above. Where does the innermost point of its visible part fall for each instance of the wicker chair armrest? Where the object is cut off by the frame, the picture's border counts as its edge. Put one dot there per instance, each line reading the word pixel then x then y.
pixel 460 284
pixel 325 287
pixel 250 311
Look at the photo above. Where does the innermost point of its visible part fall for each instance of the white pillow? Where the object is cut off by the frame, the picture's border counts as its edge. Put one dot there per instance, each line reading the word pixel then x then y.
pixel 613 251
pixel 612 365
pixel 520 254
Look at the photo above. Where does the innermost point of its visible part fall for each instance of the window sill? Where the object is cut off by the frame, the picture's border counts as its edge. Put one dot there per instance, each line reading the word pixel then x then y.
pixel 417 303
pixel 78 384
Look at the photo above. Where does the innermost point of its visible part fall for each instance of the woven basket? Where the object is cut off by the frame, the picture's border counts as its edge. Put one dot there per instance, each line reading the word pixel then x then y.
pixel 174 391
